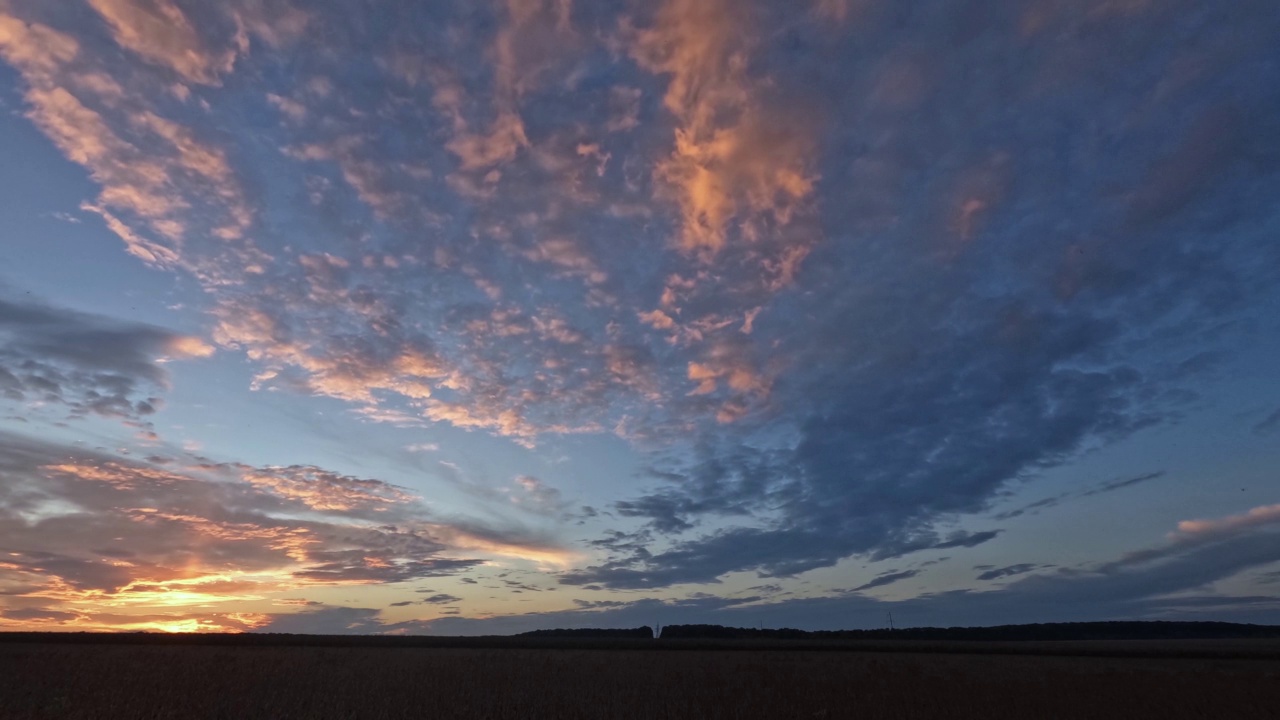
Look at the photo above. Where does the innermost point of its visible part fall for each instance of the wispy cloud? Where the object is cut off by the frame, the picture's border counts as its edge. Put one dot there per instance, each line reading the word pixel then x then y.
pixel 1268 424
pixel 159 32
pixel 886 579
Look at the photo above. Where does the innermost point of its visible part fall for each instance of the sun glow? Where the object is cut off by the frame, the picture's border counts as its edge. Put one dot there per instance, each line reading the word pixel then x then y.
pixel 176 626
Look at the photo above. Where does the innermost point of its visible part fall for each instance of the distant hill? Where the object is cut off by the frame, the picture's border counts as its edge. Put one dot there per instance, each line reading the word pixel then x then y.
pixel 643 631
pixel 1121 630
pixel 1097 639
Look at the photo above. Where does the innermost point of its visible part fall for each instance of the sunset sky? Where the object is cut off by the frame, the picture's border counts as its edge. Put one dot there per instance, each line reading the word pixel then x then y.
pixel 467 317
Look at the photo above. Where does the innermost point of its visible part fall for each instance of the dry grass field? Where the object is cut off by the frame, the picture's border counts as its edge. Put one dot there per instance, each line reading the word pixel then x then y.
pixel 69 681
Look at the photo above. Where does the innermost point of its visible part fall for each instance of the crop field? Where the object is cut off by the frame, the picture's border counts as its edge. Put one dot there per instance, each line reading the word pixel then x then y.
pixel 40 680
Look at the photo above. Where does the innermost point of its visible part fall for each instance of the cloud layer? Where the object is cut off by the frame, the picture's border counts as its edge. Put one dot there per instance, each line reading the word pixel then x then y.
pixel 844 274
pixel 86 532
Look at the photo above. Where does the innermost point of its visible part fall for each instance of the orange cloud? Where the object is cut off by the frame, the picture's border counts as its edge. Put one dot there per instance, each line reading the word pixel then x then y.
pixel 657 319
pixel 115 474
pixel 568 255
pixel 375 182
pixel 120 544
pixel 190 347
pixel 322 490
pixel 545 556
pixel 726 367
pixel 150 175
pixel 735 159
pixel 1255 517
pixel 158 31
pixel 503 140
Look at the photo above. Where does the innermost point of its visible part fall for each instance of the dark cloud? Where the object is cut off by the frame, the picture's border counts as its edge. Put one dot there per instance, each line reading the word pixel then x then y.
pixel 888 578
pixel 1008 571
pixel 38 614
pixel 1029 507
pixel 440 599
pixel 1098 489
pixel 772 553
pixel 345 566
pixel 86 363
pixel 1113 485
pixel 1165 583
pixel 966 539
pixel 598 604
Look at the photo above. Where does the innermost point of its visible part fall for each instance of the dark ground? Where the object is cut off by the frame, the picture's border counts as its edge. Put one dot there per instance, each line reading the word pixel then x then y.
pixel 752 679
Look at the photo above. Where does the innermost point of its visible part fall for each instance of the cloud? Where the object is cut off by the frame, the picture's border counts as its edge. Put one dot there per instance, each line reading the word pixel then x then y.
pixel 1008 571
pixel 86 530
pixel 152 170
pixel 886 579
pixel 86 363
pixel 325 621
pixel 1267 424
pixel 160 32
pixel 863 306
pixel 1166 582
pixel 1097 489
pixel 919 384
pixel 538 497
pixel 756 163
pixel 322 490
pixel 1113 485
pixel 440 599
pixel 1194 530
pixel 966 539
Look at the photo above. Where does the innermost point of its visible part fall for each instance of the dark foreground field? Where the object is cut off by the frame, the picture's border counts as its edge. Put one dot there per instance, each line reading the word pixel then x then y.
pixel 158 681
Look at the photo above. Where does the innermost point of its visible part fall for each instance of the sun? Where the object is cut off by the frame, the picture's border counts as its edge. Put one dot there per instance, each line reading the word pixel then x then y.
pixel 189 625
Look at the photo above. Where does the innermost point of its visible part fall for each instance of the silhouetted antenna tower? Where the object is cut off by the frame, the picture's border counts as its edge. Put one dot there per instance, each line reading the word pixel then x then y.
pixel 890 621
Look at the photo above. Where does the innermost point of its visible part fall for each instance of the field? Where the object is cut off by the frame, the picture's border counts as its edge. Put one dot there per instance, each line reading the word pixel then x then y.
pixel 158 680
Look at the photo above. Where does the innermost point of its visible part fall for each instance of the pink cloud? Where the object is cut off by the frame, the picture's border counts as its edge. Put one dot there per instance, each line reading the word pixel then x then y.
pixel 1213 527
pixel 158 31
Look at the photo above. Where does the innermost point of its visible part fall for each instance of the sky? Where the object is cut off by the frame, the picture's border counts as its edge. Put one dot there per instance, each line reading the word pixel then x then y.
pixel 470 317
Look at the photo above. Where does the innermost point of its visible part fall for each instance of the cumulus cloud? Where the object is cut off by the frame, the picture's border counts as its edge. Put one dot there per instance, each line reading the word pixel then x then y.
pixel 754 163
